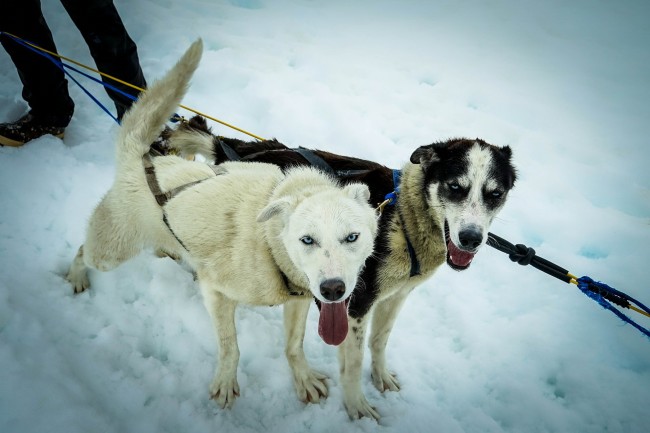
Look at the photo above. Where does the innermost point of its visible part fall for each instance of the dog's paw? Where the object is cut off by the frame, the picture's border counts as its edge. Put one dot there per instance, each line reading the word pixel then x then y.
pixel 224 391
pixel 359 407
pixel 311 386
pixel 384 380
pixel 78 278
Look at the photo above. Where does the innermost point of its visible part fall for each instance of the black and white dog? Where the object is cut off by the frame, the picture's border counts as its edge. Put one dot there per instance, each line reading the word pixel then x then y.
pixel 440 210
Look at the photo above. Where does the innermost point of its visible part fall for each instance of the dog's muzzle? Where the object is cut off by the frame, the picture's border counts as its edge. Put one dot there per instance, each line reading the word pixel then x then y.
pixel 459 258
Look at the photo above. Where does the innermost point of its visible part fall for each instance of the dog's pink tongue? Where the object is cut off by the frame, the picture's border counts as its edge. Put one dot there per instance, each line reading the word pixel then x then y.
pixel 458 256
pixel 333 323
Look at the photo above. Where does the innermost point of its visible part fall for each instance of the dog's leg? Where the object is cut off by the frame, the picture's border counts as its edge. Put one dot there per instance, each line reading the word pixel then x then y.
pixel 351 360
pixel 78 273
pixel 224 388
pixel 310 384
pixel 383 319
pixel 110 241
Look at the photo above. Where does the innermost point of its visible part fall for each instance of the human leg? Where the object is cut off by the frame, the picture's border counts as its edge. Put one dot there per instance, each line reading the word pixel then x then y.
pixel 45 88
pixel 112 48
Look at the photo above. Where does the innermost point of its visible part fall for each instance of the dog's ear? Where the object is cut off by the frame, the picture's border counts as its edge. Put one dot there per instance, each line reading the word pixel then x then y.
pixel 425 155
pixel 506 153
pixel 277 207
pixel 422 154
pixel 358 191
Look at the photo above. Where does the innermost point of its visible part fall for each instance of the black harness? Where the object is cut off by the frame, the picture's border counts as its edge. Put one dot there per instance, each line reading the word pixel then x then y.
pixel 229 151
pixel 163 197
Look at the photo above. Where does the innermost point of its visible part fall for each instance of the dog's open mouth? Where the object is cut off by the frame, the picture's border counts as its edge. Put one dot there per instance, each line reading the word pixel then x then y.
pixel 457 259
pixel 333 321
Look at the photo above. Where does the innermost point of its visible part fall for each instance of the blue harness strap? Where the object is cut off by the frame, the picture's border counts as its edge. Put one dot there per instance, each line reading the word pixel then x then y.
pixel 392 196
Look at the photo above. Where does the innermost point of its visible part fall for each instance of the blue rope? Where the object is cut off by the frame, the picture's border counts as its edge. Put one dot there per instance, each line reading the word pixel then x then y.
pixel 587 285
pixel 102 106
pixel 59 64
pixel 175 118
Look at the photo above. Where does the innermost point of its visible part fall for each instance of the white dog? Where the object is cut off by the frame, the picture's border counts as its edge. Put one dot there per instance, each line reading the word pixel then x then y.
pixel 253 233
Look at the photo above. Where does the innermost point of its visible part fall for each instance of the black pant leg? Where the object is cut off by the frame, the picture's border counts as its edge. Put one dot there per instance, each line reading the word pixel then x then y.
pixel 114 51
pixel 44 85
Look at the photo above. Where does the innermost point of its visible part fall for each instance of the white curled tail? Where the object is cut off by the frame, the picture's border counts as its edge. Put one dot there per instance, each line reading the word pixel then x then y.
pixel 145 120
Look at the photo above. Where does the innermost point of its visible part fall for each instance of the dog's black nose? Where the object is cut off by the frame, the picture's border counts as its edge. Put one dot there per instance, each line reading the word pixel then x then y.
pixel 470 238
pixel 332 289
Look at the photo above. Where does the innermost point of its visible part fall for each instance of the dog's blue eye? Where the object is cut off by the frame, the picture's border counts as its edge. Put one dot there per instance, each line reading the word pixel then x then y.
pixel 496 194
pixel 454 186
pixel 307 240
pixel 352 237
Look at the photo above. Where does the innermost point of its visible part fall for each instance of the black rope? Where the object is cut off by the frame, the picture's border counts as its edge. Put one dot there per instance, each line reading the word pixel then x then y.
pixel 526 256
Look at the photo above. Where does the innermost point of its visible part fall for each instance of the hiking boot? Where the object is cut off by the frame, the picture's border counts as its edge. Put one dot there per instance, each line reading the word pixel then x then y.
pixel 25 129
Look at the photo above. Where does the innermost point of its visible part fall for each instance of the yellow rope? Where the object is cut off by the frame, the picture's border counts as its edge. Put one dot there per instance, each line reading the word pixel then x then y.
pixel 130 85
pixel 638 310
pixel 223 123
pixel 382 205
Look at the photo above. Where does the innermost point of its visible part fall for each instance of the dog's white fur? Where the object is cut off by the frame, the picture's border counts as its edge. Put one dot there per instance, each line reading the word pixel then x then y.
pixel 246 231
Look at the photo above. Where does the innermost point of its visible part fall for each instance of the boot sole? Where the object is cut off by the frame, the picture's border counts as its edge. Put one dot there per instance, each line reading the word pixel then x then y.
pixel 6 141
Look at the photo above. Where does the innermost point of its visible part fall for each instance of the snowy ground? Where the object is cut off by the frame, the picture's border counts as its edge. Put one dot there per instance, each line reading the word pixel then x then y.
pixel 498 348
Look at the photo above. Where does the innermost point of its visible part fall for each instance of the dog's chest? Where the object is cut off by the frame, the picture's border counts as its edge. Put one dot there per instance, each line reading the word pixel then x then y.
pixel 263 288
pixel 406 266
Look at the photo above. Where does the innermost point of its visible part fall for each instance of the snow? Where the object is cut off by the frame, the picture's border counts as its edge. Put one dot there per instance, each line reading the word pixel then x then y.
pixel 497 348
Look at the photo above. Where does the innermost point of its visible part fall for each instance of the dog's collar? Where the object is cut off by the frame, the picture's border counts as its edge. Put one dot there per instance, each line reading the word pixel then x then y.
pixel 288 285
pixel 389 200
